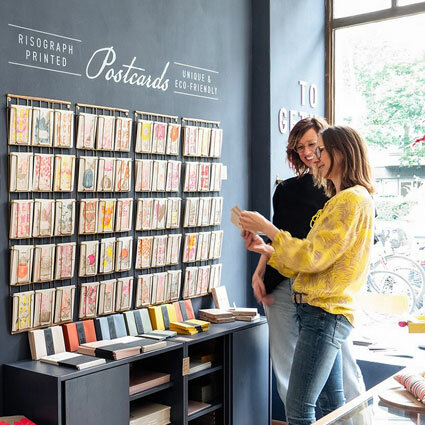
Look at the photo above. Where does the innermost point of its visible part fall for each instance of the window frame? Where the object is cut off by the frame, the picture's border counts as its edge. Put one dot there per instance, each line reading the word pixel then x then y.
pixel 332 24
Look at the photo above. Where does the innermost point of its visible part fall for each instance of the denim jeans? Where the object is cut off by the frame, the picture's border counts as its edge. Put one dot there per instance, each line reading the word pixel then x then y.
pixel 317 364
pixel 283 330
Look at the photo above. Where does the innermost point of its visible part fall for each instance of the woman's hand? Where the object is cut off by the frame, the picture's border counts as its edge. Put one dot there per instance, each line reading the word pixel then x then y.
pixel 255 244
pixel 253 221
pixel 259 290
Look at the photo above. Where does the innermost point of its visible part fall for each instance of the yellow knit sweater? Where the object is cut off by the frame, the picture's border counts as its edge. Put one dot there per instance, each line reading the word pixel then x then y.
pixel 331 264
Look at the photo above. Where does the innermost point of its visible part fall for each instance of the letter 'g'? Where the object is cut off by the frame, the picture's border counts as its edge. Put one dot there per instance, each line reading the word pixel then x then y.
pixel 108 59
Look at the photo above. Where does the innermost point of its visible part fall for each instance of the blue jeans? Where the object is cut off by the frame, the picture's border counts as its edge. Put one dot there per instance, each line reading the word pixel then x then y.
pixel 283 330
pixel 317 364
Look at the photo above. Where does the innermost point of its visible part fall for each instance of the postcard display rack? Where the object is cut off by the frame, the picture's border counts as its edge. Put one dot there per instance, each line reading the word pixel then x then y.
pixel 110 213
pixel 94 221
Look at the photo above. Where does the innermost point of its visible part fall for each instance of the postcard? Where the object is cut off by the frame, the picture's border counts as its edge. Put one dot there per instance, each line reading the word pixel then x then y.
pixel 21 218
pixel 65 260
pixel 64 173
pixel 64 217
pixel 124 214
pixel 191 212
pixel 42 180
pixel 123 253
pixel 86 130
pixel 89 300
pixel 159 137
pixel 191 177
pixel 44 260
pixel 64 305
pixel 89 212
pixel 173 139
pixel 123 127
pixel 106 218
pixel 107 255
pixel 144 288
pixel 190 245
pixel 173 213
pixel 190 281
pixel 20 125
pixel 204 176
pixel 106 175
pixel 143 178
pixel 44 301
pixel 89 256
pixel 144 136
pixel 21 262
pixel 20 171
pixel 124 295
pixel 107 290
pixel 22 311
pixel 44 218
pixel 64 129
pixel 87 173
pixel 216 142
pixel 122 174
pixel 144 252
pixel 42 126
pixel 173 176
pixel 105 132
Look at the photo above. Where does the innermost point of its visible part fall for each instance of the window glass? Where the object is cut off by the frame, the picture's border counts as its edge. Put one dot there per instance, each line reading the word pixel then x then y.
pixel 344 8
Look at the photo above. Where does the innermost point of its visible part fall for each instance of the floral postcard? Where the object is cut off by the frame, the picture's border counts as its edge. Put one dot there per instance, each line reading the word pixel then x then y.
pixel 216 143
pixel 173 176
pixel 107 290
pixel 124 214
pixel 21 218
pixel 20 171
pixel 20 125
pixel 86 130
pixel 123 127
pixel 173 213
pixel 89 212
pixel 21 262
pixel 173 139
pixel 107 255
pixel 89 300
pixel 144 136
pixel 64 217
pixel 105 133
pixel 159 138
pixel 44 301
pixel 191 212
pixel 87 173
pixel 106 218
pixel 191 177
pixel 22 311
pixel 122 174
pixel 64 173
pixel 44 218
pixel 144 288
pixel 65 260
pixel 124 293
pixel 143 178
pixel 144 252
pixel 64 129
pixel 89 258
pixel 42 180
pixel 123 253
pixel 64 305
pixel 44 260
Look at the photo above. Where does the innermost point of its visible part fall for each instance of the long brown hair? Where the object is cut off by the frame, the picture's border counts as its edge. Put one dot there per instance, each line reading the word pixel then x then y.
pixel 298 131
pixel 355 166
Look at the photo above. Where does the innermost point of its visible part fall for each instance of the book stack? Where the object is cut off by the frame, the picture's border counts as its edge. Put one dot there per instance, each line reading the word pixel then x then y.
pixel 45 342
pixel 139 324
pixel 190 327
pixel 147 413
pixel 216 315
pixel 74 360
pixel 142 380
pixel 245 314
pixel 120 348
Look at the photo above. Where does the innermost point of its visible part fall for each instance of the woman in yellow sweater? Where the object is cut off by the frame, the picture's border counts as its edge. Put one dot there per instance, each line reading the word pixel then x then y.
pixel 330 266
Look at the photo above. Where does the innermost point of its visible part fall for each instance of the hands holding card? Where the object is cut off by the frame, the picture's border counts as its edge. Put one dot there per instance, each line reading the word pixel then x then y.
pixel 251 223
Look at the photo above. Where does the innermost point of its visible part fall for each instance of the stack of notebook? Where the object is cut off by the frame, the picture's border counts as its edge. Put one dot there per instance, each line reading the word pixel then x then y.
pixel 142 380
pixel 197 365
pixel 48 346
pixel 216 315
pixel 75 360
pixel 245 314
pixel 190 327
pixel 120 348
pixel 147 413
pixel 139 324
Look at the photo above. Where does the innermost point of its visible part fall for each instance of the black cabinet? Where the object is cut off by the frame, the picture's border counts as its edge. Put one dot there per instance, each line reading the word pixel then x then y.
pixel 236 385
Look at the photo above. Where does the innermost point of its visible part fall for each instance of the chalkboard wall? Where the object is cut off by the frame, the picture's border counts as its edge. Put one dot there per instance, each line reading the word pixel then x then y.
pixel 82 43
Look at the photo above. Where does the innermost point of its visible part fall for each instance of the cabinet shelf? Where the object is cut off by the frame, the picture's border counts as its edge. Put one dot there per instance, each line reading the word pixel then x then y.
pixel 204 372
pixel 202 412
pixel 151 391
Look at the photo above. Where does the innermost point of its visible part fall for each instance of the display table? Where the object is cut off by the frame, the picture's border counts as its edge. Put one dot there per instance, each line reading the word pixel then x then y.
pixel 386 403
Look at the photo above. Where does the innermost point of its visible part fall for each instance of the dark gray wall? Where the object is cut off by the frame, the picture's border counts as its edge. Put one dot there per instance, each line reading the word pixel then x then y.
pixel 212 35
